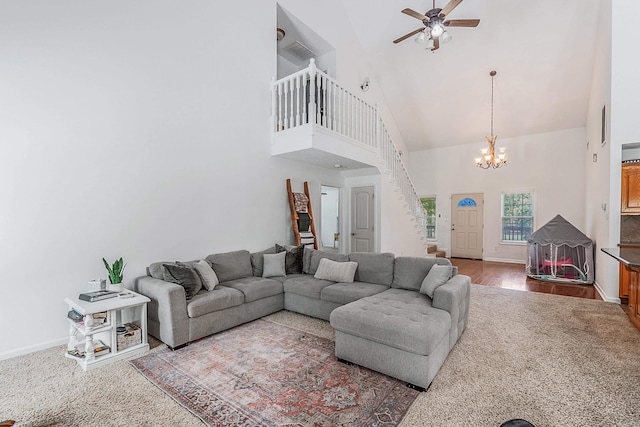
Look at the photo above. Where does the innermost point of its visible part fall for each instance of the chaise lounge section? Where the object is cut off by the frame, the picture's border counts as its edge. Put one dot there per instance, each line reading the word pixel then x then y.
pixel 381 318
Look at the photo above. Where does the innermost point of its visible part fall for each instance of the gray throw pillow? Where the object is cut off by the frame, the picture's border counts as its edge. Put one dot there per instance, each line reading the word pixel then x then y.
pixel 437 276
pixel 294 258
pixel 207 275
pixel 274 265
pixel 184 276
pixel 342 272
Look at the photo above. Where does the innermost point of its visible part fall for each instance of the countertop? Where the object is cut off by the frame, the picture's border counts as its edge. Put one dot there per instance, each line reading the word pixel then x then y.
pixel 629 256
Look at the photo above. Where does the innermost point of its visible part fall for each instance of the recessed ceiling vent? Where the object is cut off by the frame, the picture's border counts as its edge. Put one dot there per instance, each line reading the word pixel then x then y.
pixel 300 51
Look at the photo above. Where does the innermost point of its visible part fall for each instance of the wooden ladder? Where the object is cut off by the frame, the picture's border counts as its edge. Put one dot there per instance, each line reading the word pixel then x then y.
pixel 295 217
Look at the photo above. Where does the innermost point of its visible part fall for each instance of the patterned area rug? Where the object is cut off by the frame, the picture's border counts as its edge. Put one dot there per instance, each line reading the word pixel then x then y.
pixel 267 374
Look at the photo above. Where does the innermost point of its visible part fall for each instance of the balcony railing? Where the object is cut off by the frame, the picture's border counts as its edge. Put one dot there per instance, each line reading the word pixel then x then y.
pixel 312 97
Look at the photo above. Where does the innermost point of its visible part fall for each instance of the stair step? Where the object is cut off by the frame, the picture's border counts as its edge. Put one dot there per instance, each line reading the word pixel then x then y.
pixel 433 250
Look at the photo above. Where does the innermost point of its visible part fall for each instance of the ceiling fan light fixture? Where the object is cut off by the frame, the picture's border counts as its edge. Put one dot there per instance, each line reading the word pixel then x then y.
pixel 437 30
pixel 421 37
pixel 430 44
pixel 446 37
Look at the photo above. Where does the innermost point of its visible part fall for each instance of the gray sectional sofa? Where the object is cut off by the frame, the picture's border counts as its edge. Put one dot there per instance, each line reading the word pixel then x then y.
pixel 381 318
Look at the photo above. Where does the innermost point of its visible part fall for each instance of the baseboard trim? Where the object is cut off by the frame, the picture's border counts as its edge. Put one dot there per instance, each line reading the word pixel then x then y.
pixel 33 348
pixel 603 295
pixel 505 260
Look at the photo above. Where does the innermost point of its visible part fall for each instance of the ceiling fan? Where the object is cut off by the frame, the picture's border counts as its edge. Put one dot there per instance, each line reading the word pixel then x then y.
pixel 434 23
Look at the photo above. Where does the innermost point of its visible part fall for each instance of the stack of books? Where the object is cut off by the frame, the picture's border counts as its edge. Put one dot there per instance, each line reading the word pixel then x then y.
pixel 99 349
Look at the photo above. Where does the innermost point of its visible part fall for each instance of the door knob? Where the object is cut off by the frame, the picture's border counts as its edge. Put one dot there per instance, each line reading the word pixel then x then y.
pixel 353 234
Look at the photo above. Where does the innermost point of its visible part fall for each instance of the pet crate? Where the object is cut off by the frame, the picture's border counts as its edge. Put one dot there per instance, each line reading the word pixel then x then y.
pixel 559 252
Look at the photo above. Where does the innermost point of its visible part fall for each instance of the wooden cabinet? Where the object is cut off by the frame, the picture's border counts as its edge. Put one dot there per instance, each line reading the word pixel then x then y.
pixel 633 282
pixel 634 298
pixel 630 197
pixel 624 281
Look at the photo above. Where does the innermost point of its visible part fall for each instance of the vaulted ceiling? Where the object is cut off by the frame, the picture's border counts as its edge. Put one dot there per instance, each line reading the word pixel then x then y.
pixel 542 50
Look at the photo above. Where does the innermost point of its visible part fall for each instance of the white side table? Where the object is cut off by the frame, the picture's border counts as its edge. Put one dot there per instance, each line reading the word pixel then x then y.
pixel 114 308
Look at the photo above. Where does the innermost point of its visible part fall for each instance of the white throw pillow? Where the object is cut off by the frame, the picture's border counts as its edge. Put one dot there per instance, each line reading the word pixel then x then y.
pixel 274 265
pixel 438 275
pixel 342 272
pixel 207 275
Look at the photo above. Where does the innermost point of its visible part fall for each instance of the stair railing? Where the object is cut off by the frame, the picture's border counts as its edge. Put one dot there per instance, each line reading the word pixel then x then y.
pixel 311 96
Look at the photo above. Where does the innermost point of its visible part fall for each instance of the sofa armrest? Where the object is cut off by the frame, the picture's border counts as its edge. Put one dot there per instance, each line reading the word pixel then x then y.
pixel 454 297
pixel 167 311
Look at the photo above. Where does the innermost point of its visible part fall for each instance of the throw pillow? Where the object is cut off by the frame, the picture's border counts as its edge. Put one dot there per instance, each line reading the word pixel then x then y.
pixel 437 276
pixel 294 258
pixel 274 265
pixel 207 275
pixel 184 276
pixel 342 272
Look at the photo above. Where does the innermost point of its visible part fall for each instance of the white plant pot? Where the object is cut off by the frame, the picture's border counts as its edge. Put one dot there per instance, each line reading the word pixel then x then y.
pixel 118 287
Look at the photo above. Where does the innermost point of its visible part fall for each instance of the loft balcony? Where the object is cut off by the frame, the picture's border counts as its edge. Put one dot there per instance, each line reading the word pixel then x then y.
pixel 317 121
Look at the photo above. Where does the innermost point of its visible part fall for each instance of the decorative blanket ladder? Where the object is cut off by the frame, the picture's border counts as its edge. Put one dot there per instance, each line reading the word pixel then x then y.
pixel 304 228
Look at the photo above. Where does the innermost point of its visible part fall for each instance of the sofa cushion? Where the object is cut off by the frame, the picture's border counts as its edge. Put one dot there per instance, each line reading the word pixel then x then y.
pixel 274 265
pixel 437 276
pixel 409 272
pixel 231 265
pixel 344 293
pixel 336 271
pixel 207 275
pixel 398 318
pixel 373 267
pixel 184 276
pixel 306 285
pixel 316 256
pixel 255 288
pixel 257 262
pixel 294 258
pixel 306 259
pixel 218 299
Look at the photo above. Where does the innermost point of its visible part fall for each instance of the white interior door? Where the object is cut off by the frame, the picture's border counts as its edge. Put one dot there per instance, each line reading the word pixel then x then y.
pixel 467 222
pixel 330 217
pixel 362 210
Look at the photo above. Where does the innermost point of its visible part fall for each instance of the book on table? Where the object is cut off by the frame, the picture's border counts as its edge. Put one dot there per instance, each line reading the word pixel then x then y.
pixel 97 295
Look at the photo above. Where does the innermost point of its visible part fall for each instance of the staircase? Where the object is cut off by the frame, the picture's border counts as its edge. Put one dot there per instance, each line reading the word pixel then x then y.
pixel 317 121
pixel 432 251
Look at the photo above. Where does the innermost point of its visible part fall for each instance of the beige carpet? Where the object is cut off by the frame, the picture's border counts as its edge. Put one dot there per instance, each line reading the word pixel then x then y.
pixel 556 361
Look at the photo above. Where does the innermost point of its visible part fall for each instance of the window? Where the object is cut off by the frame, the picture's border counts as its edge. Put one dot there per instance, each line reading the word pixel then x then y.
pixel 517 217
pixel 429 204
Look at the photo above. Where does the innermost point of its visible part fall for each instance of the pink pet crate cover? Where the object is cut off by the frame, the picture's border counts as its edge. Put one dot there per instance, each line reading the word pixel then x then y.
pixel 560 252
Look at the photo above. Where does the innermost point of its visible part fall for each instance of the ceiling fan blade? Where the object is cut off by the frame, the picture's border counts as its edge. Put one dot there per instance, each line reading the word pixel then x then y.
pixel 462 23
pixel 449 7
pixel 436 43
pixel 414 14
pixel 406 36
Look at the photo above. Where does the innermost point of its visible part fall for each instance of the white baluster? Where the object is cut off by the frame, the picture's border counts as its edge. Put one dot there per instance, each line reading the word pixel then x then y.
pixel 280 124
pixel 292 89
pixel 305 115
pixel 312 91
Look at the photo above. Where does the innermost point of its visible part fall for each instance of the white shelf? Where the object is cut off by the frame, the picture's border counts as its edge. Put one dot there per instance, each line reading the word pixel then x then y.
pixel 107 331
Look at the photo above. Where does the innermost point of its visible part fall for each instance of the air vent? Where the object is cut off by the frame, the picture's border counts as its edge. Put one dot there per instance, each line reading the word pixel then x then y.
pixel 300 51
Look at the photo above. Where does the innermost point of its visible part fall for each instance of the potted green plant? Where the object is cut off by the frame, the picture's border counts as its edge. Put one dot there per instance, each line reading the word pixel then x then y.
pixel 115 273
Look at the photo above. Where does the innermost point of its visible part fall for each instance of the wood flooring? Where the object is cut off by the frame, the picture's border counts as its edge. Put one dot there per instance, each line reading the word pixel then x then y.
pixel 513 276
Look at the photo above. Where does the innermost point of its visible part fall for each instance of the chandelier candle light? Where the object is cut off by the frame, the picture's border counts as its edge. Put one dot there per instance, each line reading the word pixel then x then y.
pixel 489 157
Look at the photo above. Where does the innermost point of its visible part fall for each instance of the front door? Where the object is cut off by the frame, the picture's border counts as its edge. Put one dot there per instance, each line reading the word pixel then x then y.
pixel 362 209
pixel 467 212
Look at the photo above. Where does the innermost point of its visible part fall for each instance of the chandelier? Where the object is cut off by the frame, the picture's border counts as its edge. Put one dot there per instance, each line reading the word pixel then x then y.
pixel 489 158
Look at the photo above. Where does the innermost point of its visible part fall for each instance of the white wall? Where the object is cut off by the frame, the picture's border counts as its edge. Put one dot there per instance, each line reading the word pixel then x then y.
pixel 599 175
pixel 550 164
pixel 138 131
